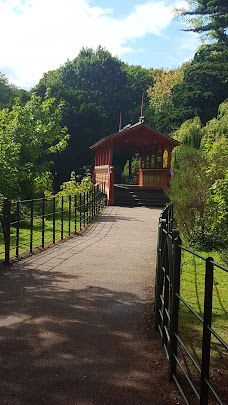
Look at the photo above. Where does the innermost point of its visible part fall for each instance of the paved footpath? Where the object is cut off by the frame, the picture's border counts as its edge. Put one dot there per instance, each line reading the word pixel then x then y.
pixel 75 320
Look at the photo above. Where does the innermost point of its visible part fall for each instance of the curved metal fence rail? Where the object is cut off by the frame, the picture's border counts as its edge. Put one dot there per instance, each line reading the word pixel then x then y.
pixel 167 314
pixel 33 224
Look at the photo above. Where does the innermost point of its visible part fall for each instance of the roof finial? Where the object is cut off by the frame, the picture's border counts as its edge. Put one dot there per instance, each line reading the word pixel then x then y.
pixel 120 122
pixel 141 119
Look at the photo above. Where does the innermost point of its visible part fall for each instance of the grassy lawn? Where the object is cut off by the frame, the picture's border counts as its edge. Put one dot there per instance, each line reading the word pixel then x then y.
pixel 63 209
pixel 25 233
pixel 192 290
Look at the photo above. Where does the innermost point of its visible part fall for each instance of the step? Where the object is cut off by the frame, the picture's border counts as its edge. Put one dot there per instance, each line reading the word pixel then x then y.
pixel 130 195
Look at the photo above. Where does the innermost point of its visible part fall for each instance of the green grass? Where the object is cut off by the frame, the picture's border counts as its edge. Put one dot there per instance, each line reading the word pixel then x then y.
pixel 192 291
pixel 24 235
pixel 25 231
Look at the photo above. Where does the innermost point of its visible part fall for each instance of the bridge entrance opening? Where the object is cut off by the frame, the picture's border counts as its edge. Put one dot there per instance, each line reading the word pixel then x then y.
pixel 147 160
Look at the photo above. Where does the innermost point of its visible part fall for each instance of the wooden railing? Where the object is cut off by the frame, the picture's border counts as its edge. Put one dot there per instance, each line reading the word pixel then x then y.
pixel 154 178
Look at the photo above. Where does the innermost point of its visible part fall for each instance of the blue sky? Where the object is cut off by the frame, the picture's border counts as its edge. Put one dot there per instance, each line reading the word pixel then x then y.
pixel 40 35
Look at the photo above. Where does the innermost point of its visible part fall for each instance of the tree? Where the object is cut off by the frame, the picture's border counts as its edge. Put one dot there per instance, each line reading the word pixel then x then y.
pixel 29 136
pixel 199 188
pixel 204 86
pixel 9 158
pixel 189 193
pixel 207 16
pixel 139 80
pixel 214 145
pixel 95 87
pixel 189 133
pixel 102 77
pixel 8 92
pixel 160 98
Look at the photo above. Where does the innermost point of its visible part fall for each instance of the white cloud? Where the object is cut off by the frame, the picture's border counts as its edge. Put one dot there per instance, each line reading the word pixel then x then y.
pixel 39 35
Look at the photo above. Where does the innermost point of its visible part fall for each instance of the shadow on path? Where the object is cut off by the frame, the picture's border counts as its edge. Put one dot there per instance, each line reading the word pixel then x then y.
pixel 66 346
pixel 65 341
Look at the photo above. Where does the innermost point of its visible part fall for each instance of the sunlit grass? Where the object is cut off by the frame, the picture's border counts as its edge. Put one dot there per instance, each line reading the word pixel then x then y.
pixel 62 229
pixel 192 291
pixel 67 222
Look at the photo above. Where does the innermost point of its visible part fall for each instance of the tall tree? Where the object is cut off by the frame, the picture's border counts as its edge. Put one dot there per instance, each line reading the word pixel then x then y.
pixel 207 16
pixel 205 84
pixel 160 97
pixel 8 92
pixel 29 135
pixel 201 174
pixel 96 87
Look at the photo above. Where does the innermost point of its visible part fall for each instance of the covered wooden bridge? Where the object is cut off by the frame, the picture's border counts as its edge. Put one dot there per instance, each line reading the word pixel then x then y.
pixel 153 148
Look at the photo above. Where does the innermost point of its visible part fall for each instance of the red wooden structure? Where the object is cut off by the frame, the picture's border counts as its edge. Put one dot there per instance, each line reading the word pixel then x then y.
pixel 155 157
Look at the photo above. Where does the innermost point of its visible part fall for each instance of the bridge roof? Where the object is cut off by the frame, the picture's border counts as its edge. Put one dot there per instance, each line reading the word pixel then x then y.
pixel 138 136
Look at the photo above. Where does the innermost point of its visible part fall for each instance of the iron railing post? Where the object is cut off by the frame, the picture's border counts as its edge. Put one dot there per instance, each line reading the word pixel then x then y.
pixel 62 217
pixel 69 215
pixel 80 211
pixel 94 201
pixel 165 265
pixel 165 273
pixel 174 310
pixel 87 207
pixel 43 222
pixel 84 207
pixel 75 214
pixel 31 225
pixel 6 222
pixel 90 204
pixel 206 346
pixel 96 198
pixel 17 228
pixel 53 220
pixel 159 274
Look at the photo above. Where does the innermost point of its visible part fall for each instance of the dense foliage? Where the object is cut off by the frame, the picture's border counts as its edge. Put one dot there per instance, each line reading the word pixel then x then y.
pixel 199 188
pixel 95 87
pixel 209 17
pixel 8 92
pixel 29 135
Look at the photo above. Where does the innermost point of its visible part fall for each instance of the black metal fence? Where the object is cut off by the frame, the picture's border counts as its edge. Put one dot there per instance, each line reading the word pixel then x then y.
pixel 189 370
pixel 31 224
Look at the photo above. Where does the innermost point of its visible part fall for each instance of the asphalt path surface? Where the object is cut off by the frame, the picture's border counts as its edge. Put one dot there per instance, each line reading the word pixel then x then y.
pixel 76 321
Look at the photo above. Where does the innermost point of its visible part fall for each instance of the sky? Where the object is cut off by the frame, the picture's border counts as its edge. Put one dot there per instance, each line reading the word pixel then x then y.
pixel 41 35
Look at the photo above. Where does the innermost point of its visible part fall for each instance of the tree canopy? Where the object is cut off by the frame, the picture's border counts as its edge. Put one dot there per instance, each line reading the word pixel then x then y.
pixel 95 87
pixel 29 135
pixel 207 16
pixel 199 188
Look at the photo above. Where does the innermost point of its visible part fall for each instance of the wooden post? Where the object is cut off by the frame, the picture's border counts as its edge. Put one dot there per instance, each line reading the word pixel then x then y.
pixel 156 158
pixel 162 157
pixel 169 159
pixel 111 186
pixel 150 161
pixel 110 155
pixel 96 159
pixel 140 162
